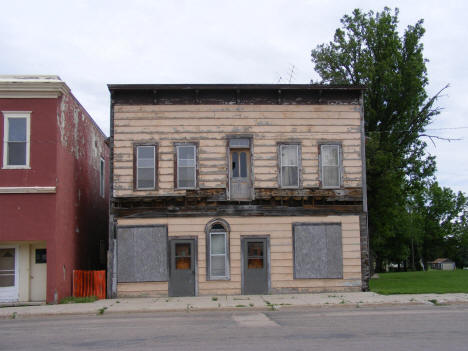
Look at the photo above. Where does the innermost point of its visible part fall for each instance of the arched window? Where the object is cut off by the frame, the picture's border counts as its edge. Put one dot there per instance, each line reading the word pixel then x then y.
pixel 217 250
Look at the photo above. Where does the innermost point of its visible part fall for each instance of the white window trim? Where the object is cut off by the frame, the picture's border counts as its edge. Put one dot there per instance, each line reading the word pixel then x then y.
pixel 102 172
pixel 194 166
pixel 137 168
pixel 225 276
pixel 297 165
pixel 16 114
pixel 340 167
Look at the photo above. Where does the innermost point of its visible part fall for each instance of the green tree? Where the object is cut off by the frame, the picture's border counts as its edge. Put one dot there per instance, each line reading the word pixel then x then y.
pixel 368 50
pixel 444 224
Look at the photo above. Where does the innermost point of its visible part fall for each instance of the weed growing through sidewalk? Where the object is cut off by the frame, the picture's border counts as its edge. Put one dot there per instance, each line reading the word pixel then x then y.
pixel 101 311
pixel 271 306
pixel 251 304
pixel 342 302
pixel 241 298
pixel 241 306
pixel 13 315
pixel 214 298
pixel 73 299
pixel 188 308
pixel 436 303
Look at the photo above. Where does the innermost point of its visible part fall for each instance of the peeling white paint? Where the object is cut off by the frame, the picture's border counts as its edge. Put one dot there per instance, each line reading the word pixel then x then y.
pixel 76 147
pixel 61 120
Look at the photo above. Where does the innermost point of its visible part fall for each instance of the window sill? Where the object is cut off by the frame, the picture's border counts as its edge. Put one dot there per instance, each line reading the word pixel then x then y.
pixel 209 279
pixel 16 167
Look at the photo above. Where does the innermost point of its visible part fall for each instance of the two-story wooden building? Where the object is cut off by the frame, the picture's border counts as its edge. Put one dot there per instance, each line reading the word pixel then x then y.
pixel 237 189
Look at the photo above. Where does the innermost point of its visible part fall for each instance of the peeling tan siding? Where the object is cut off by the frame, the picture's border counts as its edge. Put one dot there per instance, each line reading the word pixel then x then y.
pixel 209 125
pixel 281 254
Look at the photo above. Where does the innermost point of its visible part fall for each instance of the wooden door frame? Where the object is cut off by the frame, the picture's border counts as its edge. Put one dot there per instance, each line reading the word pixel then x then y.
pixel 265 237
pixel 228 161
pixel 195 258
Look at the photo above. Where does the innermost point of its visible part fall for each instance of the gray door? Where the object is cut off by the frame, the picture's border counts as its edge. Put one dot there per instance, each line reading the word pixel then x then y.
pixel 182 273
pixel 255 264
pixel 240 188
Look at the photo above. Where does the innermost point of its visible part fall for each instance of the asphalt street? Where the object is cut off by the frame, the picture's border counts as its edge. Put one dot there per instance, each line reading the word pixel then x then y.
pixel 377 328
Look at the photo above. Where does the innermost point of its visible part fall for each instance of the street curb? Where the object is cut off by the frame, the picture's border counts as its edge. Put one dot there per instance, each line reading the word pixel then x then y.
pixel 17 314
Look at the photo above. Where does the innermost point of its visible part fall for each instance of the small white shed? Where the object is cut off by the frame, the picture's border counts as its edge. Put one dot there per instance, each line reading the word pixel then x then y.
pixel 444 264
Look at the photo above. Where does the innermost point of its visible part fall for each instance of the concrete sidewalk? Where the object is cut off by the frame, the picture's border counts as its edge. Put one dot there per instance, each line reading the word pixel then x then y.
pixel 233 303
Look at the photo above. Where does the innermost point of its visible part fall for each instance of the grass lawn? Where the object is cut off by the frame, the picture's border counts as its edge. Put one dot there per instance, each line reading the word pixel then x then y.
pixel 437 282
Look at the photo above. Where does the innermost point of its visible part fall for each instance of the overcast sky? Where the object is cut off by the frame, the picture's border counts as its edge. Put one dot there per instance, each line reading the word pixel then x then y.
pixel 92 43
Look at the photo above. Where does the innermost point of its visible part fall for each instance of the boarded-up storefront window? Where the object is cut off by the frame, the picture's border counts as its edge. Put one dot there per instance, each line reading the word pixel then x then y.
pixel 318 250
pixel 142 254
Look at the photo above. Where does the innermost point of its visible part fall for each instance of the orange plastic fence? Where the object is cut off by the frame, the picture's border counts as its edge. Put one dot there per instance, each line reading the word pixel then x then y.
pixel 89 283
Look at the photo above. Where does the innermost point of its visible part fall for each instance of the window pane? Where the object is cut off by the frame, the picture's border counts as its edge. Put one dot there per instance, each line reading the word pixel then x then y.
pixel 146 167
pixel 289 155
pixel 16 154
pixel 7 259
pixel 290 176
pixel 235 165
pixel 331 176
pixel 239 143
pixel 182 263
pixel 255 249
pixel 217 228
pixel 330 155
pixel 41 255
pixel 7 267
pixel 146 152
pixel 218 244
pixel 218 266
pixel 182 250
pixel 17 129
pixel 186 163
pixel 186 177
pixel 145 178
pixel 146 163
pixel 186 152
pixel 255 263
pixel 243 165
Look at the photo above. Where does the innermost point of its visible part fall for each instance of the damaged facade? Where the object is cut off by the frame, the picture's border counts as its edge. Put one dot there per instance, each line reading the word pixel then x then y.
pixel 236 189
pixel 53 189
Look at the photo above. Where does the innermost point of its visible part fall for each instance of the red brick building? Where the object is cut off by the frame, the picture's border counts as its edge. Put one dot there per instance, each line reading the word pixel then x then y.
pixel 53 189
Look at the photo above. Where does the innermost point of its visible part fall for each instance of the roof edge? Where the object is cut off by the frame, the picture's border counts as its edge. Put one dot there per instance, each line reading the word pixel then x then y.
pixel 113 87
pixel 42 85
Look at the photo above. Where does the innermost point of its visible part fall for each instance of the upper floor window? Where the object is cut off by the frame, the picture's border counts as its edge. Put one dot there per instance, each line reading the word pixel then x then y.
pixel 289 165
pixel 16 133
pixel 145 167
pixel 186 166
pixel 330 165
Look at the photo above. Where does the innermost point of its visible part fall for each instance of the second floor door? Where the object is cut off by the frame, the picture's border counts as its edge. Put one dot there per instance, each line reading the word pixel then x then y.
pixel 240 182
